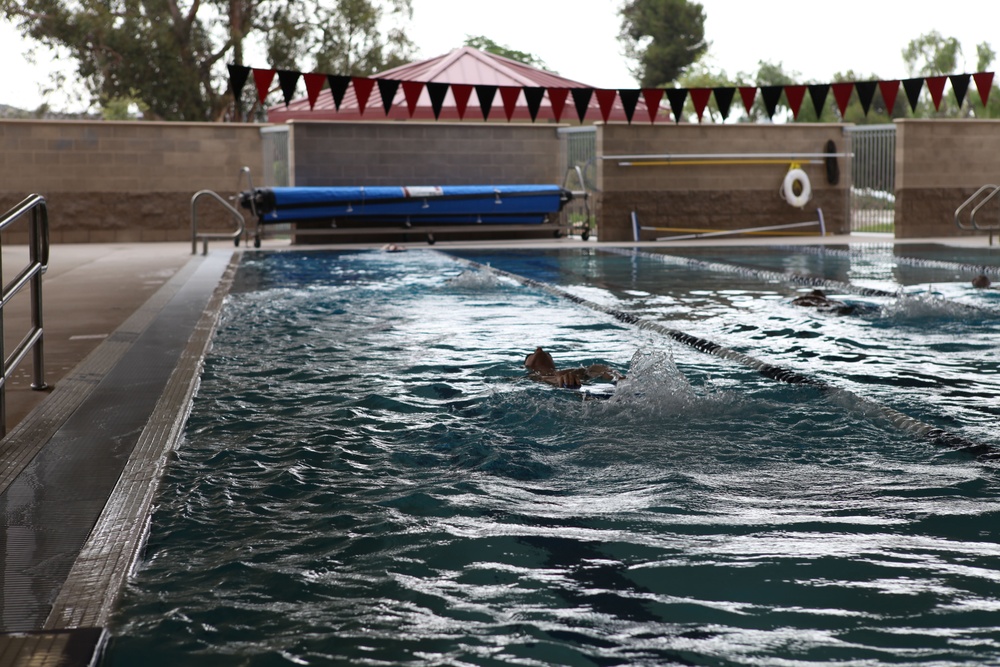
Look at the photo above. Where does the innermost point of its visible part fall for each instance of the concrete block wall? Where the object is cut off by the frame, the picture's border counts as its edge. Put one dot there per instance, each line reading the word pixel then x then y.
pixel 122 181
pixel 417 153
pixel 939 164
pixel 718 196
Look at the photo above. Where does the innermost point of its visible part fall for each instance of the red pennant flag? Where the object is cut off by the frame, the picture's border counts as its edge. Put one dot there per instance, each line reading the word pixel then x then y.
pixel 605 100
pixel 557 99
pixel 935 84
pixel 984 82
pixel 889 90
pixel 262 78
pixel 509 95
pixel 699 97
pixel 842 93
pixel 795 95
pixel 462 92
pixel 362 90
pixel 314 84
pixel 411 91
pixel 652 97
pixel 747 94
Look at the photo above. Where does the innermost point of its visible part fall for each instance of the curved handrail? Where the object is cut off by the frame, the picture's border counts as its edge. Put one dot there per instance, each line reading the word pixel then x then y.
pixel 975 210
pixel 30 275
pixel 206 236
pixel 958 211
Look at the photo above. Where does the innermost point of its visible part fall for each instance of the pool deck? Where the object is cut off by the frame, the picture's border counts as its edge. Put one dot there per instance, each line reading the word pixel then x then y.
pixel 126 329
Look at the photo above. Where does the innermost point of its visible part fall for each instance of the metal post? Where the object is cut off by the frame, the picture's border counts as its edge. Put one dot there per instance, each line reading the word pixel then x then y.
pixel 36 257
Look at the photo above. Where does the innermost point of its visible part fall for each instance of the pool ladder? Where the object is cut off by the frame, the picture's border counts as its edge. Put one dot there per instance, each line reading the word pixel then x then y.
pixel 979 198
pixel 30 276
pixel 234 213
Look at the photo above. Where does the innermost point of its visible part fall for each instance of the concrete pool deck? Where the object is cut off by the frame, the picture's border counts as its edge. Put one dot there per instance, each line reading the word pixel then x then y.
pixel 126 327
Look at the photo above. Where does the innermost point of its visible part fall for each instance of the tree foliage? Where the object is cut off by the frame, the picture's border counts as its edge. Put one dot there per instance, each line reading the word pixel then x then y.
pixel 167 56
pixel 489 46
pixel 663 37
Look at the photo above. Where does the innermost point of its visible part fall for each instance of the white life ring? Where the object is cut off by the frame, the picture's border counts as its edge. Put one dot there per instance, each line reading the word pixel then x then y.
pixel 788 188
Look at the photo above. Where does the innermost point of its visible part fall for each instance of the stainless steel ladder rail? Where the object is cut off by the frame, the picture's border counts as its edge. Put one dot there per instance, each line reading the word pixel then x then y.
pixel 234 213
pixel 29 276
pixel 970 227
pixel 972 216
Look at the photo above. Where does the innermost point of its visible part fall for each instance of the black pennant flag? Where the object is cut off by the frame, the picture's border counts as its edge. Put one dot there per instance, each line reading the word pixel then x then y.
pixel 338 86
pixel 677 97
pixel 486 93
pixel 866 93
pixel 818 93
pixel 629 98
pixel 581 99
pixel 288 79
pixel 533 96
pixel 724 100
pixel 912 88
pixel 960 86
pixel 437 90
pixel 238 75
pixel 770 95
pixel 387 89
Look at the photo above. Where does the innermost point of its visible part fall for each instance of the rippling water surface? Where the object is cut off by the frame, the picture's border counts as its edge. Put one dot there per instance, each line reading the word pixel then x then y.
pixel 369 478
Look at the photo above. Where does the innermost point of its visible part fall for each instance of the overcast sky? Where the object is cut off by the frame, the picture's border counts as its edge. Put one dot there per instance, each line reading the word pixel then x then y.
pixel 578 38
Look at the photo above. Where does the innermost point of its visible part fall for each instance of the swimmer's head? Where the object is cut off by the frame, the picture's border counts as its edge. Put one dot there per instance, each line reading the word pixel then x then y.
pixel 981 282
pixel 540 361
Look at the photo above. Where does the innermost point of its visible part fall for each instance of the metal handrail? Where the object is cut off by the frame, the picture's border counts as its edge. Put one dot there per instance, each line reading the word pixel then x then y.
pixel 30 275
pixel 206 236
pixel 958 211
pixel 975 210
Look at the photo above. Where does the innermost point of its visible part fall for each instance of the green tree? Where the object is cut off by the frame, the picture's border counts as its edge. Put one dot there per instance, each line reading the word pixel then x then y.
pixel 489 46
pixel 663 38
pixel 168 56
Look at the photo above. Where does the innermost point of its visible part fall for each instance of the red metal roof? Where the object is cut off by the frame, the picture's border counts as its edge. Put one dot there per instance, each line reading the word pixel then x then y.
pixel 464 65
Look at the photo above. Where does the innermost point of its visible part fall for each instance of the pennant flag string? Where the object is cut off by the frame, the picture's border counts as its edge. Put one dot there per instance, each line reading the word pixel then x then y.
pixel 609 102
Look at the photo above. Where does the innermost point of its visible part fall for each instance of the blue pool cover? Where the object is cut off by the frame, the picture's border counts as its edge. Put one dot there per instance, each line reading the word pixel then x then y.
pixel 459 204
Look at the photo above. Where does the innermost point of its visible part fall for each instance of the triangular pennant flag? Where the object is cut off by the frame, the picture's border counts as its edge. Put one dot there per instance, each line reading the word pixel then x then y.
pixel 605 100
pixel 314 84
pixel 362 90
pixel 387 89
pixel 629 98
pixel 747 94
pixel 652 97
pixel 912 89
pixel 437 91
pixel 461 92
pixel 486 92
pixel 533 96
pixel 770 95
pixel 818 93
pixel 262 78
pixel 557 100
pixel 699 97
pixel 724 100
pixel 581 100
pixel 509 95
pixel 238 75
pixel 288 79
pixel 338 88
pixel 960 86
pixel 935 84
pixel 889 90
pixel 795 95
pixel 866 93
pixel 842 93
pixel 677 97
pixel 411 92
pixel 984 81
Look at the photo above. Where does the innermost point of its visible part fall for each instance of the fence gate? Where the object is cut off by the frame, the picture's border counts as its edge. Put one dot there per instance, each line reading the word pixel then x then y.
pixel 873 177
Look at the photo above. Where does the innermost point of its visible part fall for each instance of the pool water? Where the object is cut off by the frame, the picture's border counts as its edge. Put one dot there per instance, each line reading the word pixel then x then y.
pixel 368 476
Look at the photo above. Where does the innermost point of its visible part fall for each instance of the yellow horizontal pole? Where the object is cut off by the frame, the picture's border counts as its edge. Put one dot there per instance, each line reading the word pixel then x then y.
pixel 734 231
pixel 679 163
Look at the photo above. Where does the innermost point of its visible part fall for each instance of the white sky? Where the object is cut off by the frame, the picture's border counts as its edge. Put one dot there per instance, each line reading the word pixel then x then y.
pixel 578 38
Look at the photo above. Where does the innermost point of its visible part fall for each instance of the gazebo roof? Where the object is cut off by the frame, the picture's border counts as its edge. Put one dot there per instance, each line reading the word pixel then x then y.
pixel 464 65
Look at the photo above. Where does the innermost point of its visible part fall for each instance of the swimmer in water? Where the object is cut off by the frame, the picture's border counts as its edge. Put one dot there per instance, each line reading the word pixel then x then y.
pixel 543 368
pixel 820 301
pixel 981 282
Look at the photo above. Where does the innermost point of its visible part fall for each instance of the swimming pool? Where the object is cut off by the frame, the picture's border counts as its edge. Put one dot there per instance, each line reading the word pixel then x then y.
pixel 368 477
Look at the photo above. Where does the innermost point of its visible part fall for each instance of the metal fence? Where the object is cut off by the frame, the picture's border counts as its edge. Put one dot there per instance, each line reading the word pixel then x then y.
pixel 873 177
pixel 277 163
pixel 579 149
